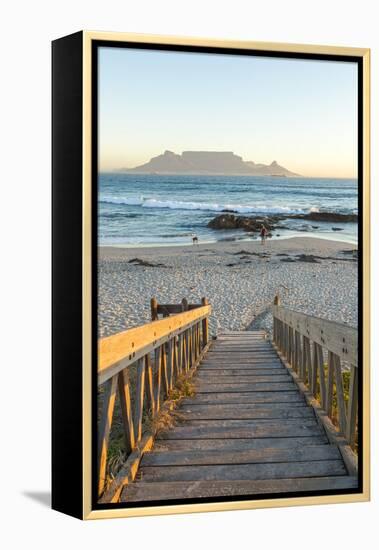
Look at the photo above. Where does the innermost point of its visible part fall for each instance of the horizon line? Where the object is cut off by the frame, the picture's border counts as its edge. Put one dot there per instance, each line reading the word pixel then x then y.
pixel 130 171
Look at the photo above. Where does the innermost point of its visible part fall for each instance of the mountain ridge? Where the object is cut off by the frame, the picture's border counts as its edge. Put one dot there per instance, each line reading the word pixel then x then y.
pixel 208 162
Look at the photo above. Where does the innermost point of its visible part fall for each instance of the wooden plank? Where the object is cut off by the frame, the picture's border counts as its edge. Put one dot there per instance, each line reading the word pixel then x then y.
pixel 251 379
pixel 248 423
pixel 158 379
pixel 246 397
pixel 338 338
pixel 177 357
pixel 240 413
pixel 170 365
pixel 240 345
pixel 205 371
pixel 237 357
pixel 235 407
pixel 169 309
pixel 144 492
pixel 252 333
pixel 104 431
pixel 307 374
pixel 154 309
pixel 126 410
pixel 124 348
pixel 352 407
pixel 251 456
pixel 140 390
pixel 278 429
pixel 242 342
pixel 202 387
pixel 321 374
pixel 243 349
pixel 313 380
pixel 231 364
pixel 164 368
pixel 237 354
pixel 340 395
pixel 253 340
pixel 205 327
pixel 185 351
pixel 243 335
pixel 149 384
pixel 244 471
pixel 248 346
pixel 164 445
pixel 329 394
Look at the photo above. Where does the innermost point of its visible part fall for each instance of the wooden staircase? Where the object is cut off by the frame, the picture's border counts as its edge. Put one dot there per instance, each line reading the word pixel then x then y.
pixel 248 430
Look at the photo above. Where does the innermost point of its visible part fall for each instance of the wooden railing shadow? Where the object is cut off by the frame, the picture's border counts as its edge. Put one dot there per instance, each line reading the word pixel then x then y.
pixel 159 355
pixel 322 357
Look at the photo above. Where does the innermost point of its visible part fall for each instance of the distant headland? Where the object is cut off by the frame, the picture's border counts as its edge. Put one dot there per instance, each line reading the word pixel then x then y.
pixel 208 162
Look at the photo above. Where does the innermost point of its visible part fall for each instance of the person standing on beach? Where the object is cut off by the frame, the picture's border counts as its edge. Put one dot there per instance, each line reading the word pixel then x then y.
pixel 263 234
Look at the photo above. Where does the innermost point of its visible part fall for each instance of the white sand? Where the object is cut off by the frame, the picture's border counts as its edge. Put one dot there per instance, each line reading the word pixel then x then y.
pixel 240 294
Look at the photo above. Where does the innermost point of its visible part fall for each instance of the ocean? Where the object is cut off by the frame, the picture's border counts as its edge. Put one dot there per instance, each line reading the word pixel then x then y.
pixel 158 210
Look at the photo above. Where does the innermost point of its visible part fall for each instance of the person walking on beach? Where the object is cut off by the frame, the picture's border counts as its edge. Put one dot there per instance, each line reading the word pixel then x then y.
pixel 263 234
pixel 195 240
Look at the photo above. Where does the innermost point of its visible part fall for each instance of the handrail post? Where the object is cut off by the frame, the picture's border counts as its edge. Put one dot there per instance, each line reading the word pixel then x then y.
pixel 154 309
pixel 275 321
pixel 204 302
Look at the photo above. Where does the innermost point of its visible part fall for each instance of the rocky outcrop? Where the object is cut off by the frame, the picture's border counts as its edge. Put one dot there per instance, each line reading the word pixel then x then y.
pixel 228 220
pixel 231 221
pixel 331 217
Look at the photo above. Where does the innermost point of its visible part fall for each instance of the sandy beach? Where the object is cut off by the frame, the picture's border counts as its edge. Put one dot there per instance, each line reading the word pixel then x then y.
pixel 240 279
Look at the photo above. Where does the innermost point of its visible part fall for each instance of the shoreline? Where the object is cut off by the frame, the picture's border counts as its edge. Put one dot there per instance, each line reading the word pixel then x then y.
pixel 297 240
pixel 237 240
pixel 239 278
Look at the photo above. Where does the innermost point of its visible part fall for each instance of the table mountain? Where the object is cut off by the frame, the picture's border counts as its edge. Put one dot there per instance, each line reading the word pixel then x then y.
pixel 208 162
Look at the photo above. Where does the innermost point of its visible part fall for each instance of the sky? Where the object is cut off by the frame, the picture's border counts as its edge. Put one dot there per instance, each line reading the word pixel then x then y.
pixel 301 113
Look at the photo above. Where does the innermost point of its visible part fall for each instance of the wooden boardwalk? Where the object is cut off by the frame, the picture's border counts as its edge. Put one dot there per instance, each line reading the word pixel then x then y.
pixel 247 431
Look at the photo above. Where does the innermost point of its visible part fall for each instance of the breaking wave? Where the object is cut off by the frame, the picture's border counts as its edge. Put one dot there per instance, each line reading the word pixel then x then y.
pixel 207 206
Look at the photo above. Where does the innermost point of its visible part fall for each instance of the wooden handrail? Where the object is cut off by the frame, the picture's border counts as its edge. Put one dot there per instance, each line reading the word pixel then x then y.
pixel 157 354
pixel 335 337
pixel 316 350
pixel 169 309
pixel 124 348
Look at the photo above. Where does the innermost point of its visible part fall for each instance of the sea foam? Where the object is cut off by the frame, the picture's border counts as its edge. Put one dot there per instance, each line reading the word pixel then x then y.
pixel 211 207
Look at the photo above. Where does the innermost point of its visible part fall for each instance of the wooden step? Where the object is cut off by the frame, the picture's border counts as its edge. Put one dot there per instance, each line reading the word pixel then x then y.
pixel 217 366
pixel 246 397
pixel 236 353
pixel 247 423
pixel 235 407
pixel 249 379
pixel 240 372
pixel 164 445
pixel 177 490
pixel 279 428
pixel 251 456
pixel 203 387
pixel 220 413
pixel 231 472
pixel 227 364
